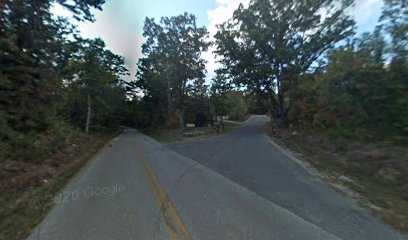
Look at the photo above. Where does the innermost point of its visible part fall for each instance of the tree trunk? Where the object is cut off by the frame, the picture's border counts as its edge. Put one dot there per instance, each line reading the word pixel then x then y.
pixel 281 98
pixel 182 109
pixel 181 120
pixel 281 112
pixel 88 116
pixel 168 105
pixel 273 105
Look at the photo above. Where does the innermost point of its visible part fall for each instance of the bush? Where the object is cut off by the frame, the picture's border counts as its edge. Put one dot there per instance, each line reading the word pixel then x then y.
pixel 49 134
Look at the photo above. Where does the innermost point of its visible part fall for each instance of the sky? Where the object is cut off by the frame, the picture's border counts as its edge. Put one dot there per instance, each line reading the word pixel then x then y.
pixel 120 23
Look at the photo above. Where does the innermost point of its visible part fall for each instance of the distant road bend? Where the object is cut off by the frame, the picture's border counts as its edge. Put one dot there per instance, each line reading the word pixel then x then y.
pixel 233 186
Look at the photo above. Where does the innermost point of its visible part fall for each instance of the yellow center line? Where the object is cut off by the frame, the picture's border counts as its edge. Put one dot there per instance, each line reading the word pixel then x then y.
pixel 172 218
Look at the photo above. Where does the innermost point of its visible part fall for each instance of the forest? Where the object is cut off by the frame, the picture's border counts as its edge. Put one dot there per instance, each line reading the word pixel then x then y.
pixel 279 57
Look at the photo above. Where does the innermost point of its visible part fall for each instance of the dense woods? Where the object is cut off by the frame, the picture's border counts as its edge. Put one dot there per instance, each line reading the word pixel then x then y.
pixel 53 83
pixel 299 60
pixel 172 72
pixel 315 72
pixel 361 92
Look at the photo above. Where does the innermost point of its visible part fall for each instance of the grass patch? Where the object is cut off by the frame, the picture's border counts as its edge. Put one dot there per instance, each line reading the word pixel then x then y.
pixel 378 171
pixel 163 135
pixel 22 211
pixel 228 127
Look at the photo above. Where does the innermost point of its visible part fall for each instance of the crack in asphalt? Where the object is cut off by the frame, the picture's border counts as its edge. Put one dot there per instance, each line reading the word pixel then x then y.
pixel 182 175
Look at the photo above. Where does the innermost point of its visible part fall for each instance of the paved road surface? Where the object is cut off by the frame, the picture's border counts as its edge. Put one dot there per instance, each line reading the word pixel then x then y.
pixel 233 186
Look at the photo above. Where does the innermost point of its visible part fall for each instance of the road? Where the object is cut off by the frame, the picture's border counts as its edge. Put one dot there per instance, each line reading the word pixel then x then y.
pixel 233 186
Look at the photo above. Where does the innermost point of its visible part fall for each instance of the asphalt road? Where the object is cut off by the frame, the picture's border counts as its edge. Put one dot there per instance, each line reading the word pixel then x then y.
pixel 233 186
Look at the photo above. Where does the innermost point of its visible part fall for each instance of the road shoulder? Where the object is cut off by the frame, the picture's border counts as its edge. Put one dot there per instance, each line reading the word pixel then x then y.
pixel 337 163
pixel 23 209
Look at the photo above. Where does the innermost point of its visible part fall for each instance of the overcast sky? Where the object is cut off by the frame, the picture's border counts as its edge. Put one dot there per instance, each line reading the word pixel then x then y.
pixel 120 24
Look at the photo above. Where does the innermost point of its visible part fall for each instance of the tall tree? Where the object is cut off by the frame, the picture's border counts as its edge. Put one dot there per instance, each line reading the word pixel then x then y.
pixel 96 71
pixel 394 20
pixel 274 41
pixel 172 60
pixel 31 43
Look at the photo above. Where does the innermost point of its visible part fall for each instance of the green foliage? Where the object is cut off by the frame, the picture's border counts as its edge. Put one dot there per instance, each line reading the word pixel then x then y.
pixel 198 105
pixel 47 136
pixel 394 20
pixel 96 71
pixel 46 72
pixel 172 65
pixel 231 104
pixel 237 109
pixel 267 45
pixel 354 98
pixel 269 48
pixel 50 77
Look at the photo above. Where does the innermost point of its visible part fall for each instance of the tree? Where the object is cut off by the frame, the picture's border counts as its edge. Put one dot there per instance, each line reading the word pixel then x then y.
pixel 357 95
pixel 219 88
pixel 97 72
pixel 394 20
pixel 31 44
pixel 172 60
pixel 372 47
pixel 44 67
pixel 269 44
pixel 198 107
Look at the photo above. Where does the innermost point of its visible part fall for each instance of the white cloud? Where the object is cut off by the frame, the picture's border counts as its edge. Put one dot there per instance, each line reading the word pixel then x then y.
pixel 221 13
pixel 118 25
pixel 367 12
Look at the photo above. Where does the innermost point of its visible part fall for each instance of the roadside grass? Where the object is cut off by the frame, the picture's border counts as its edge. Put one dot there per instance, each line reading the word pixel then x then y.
pixel 242 118
pixel 21 210
pixel 163 135
pixel 228 127
pixel 376 172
